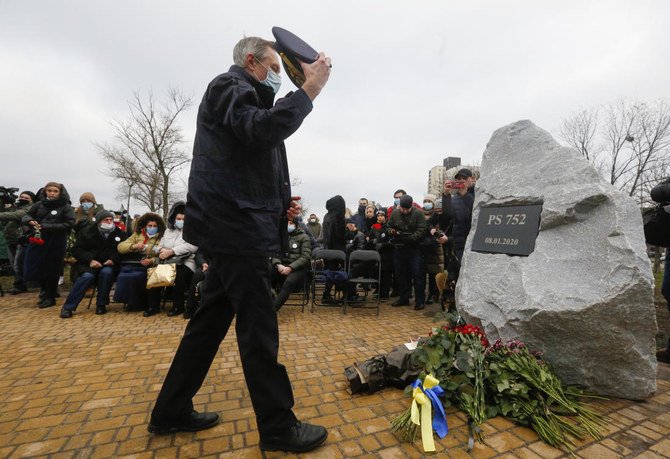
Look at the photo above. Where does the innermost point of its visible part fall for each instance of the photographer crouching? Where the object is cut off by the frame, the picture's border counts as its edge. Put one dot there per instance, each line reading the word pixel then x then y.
pixel 12 211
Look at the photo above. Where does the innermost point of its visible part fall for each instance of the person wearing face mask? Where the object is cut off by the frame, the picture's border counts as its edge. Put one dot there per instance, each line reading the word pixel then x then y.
pixel 137 254
pixel 396 202
pixel 314 226
pixel 49 221
pixel 238 206
pixel 97 261
pixel 85 213
pixel 173 249
pixel 11 216
pixel 290 272
pixel 431 248
pixel 359 216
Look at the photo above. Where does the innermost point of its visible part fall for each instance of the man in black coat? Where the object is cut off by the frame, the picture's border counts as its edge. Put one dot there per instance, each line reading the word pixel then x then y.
pixel 238 205
pixel 661 194
pixel 97 260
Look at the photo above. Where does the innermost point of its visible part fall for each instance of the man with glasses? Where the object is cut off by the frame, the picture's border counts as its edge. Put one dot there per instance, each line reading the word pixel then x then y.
pixel 238 206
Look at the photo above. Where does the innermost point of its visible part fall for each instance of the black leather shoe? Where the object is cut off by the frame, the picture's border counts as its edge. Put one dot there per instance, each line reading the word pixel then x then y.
pixel 174 312
pixel 65 313
pixel 100 310
pixel 150 312
pixel 47 303
pixel 419 306
pixel 400 302
pixel 187 315
pixel 300 438
pixel 191 423
pixel 16 291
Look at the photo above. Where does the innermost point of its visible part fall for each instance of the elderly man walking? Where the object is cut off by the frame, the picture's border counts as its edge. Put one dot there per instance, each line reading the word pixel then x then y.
pixel 239 182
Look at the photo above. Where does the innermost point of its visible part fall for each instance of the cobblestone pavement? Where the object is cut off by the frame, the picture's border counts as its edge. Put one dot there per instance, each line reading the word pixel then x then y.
pixel 84 387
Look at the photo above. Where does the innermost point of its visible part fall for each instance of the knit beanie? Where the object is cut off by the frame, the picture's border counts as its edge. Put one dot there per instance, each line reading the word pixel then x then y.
pixel 88 196
pixel 101 215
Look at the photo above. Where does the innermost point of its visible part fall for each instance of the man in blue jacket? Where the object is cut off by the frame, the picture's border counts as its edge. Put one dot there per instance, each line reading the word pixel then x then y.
pixel 238 205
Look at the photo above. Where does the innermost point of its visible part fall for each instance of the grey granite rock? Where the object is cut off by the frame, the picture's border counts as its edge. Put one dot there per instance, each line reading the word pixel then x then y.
pixel 584 297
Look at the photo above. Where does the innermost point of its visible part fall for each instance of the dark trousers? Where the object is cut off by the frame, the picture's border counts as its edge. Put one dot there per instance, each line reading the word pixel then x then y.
pixel 289 284
pixel 193 299
pixel 665 285
pixel 408 263
pixel 235 286
pixel 17 264
pixel 181 282
pixel 105 278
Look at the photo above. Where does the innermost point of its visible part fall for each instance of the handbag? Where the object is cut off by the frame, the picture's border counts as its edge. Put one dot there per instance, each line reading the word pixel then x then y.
pixel 162 275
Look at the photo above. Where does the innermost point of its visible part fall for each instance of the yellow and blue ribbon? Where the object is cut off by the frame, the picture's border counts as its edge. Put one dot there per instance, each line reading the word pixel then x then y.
pixel 425 395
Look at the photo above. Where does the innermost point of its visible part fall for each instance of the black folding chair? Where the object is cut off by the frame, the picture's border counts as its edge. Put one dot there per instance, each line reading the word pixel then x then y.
pixel 325 260
pixel 364 265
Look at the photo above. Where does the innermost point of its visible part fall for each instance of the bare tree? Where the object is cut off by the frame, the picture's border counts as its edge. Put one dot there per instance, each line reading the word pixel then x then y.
pixel 147 152
pixel 631 147
pixel 579 131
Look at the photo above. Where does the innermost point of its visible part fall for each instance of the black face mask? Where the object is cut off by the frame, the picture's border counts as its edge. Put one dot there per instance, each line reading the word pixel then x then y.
pixel 361 210
pixel 23 202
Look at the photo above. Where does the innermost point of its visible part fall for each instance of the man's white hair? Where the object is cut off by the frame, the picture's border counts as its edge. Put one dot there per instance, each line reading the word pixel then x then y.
pixel 251 45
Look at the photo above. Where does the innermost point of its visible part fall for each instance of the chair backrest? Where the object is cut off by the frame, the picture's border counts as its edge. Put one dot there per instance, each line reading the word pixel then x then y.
pixel 364 256
pixel 329 255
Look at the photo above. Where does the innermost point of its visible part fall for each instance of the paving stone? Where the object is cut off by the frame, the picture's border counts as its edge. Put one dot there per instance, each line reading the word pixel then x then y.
pixel 97 401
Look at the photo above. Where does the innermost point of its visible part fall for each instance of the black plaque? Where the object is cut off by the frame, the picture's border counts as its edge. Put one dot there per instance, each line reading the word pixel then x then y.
pixel 507 229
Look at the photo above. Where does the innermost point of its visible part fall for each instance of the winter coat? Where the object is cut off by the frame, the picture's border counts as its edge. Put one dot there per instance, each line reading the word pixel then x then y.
pixel 12 220
pixel 660 193
pixel 359 218
pixel 82 217
pixel 300 252
pixel 334 229
pixel 381 239
pixel 433 254
pixel 184 253
pixel 56 218
pixel 315 228
pixel 239 176
pixel 410 227
pixel 355 241
pixel 152 243
pixel 459 208
pixel 92 245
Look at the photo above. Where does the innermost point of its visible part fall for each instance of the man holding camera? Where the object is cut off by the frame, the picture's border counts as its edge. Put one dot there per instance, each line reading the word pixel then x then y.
pixel 239 182
pixel 11 215
pixel 407 226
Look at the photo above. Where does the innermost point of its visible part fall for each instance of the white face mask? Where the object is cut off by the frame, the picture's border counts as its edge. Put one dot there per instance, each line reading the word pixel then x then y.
pixel 290 228
pixel 179 224
pixel 106 226
pixel 273 80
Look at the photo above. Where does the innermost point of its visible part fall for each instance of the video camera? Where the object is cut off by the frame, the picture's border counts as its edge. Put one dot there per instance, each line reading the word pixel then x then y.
pixel 398 238
pixel 8 195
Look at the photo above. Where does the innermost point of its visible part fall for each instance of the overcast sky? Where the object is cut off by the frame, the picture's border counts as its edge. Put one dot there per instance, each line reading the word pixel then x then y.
pixel 412 82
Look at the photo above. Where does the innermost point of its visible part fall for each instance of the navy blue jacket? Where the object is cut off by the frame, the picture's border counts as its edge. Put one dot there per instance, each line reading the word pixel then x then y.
pixel 239 186
pixel 459 208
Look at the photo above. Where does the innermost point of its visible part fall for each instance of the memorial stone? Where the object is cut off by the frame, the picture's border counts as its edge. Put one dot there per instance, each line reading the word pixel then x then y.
pixel 584 295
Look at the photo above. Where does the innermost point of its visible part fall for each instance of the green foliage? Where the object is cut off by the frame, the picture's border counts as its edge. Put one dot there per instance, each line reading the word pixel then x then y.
pixel 504 379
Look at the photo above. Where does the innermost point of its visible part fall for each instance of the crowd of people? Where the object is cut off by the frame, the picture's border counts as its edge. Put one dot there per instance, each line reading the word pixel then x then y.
pixel 44 233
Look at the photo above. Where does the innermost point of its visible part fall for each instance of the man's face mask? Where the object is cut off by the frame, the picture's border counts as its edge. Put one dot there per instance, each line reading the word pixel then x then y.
pixel 273 80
